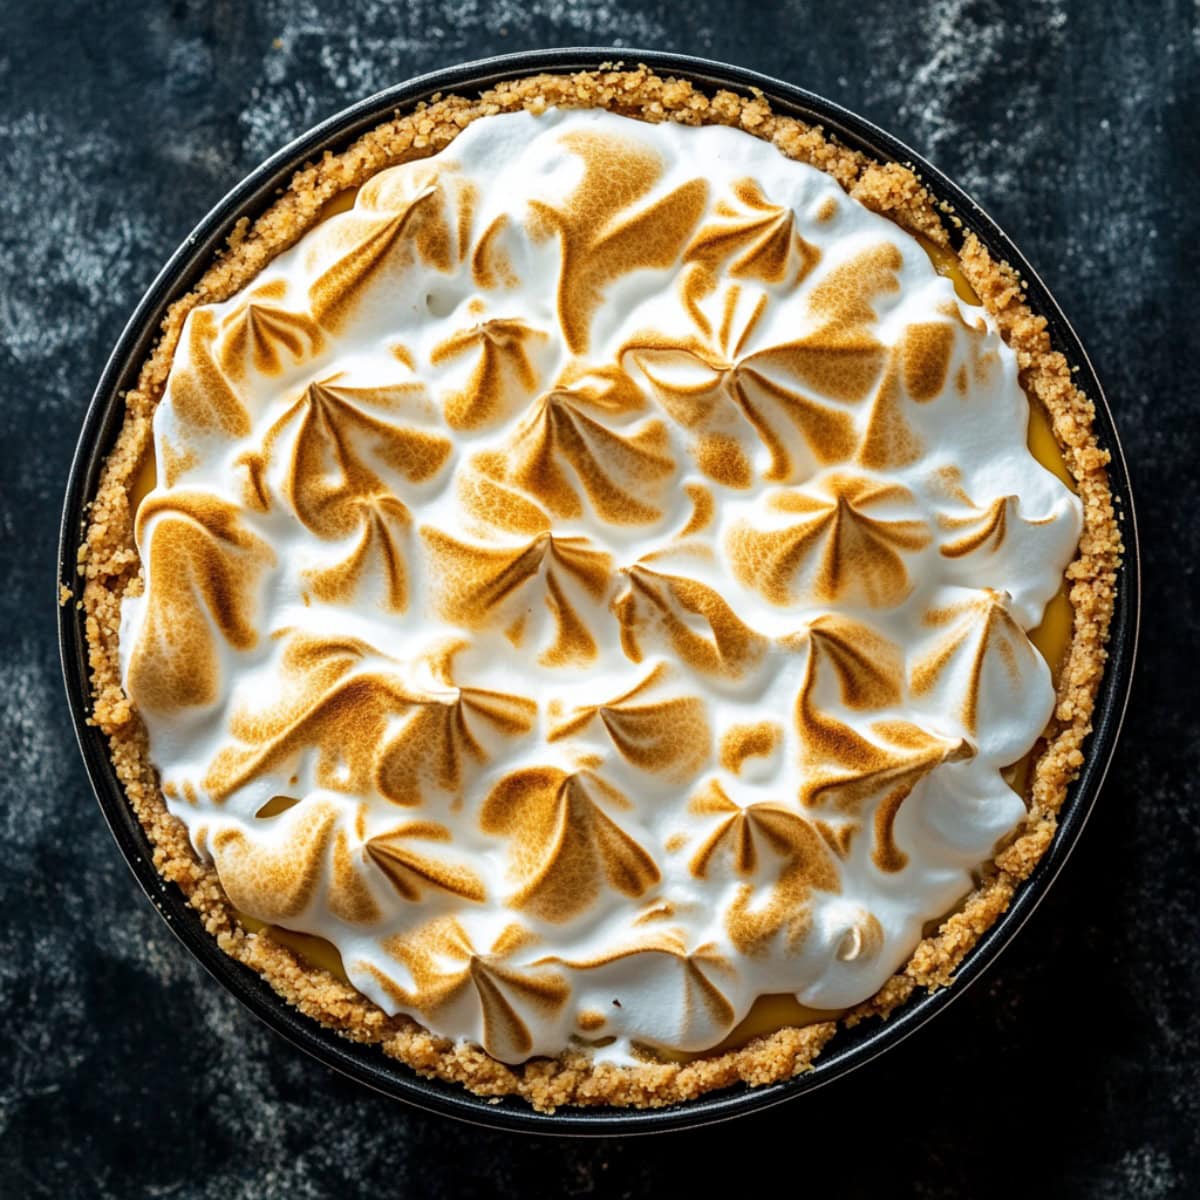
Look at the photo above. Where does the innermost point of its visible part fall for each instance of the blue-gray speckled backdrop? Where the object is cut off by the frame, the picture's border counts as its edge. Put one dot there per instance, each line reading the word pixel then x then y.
pixel 125 1072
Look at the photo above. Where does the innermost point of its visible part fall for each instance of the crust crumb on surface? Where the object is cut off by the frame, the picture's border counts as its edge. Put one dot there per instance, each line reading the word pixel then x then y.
pixel 110 569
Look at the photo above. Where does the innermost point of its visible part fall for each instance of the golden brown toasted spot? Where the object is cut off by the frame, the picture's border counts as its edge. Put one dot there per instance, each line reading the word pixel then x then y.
pixel 867 667
pixel 411 871
pixel 668 736
pixel 834 536
pixel 491 267
pixel 473 583
pixel 349 898
pixel 204 569
pixel 589 1020
pixel 846 296
pixel 655 606
pixel 604 229
pixel 564 846
pixel 343 436
pixel 722 459
pixel 889 440
pixel 703 510
pixel 174 463
pixel 503 376
pixel 926 351
pixel 498 505
pixel 827 210
pixel 741 742
pixel 979 630
pixel 772 387
pixel 203 399
pixel 563 450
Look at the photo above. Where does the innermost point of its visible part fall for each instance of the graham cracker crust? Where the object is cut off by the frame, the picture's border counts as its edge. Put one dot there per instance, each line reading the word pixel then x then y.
pixel 110 568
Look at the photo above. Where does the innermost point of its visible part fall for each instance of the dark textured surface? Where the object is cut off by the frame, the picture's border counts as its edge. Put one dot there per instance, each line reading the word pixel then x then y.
pixel 125 1072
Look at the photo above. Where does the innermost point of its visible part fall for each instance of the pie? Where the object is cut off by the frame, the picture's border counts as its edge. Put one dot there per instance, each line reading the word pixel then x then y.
pixel 594 591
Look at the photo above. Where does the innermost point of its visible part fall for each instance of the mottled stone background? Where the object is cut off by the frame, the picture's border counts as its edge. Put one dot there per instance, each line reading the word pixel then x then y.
pixel 124 1071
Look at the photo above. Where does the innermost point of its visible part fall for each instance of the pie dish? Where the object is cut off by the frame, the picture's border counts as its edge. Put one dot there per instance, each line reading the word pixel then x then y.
pixel 819 473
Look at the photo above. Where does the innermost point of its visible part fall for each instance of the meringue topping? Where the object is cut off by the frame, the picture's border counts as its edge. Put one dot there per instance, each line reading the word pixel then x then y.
pixel 588 583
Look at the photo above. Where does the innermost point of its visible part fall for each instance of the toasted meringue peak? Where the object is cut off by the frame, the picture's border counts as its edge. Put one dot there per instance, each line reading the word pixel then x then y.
pixel 842 538
pixel 503 370
pixel 865 665
pixel 565 449
pixel 980 531
pixel 608 227
pixel 587 582
pixel 711 384
pixel 202 566
pixel 846 769
pixel 448 968
pixel 343 440
pixel 746 832
pixel 402 855
pixel 987 654
pixel 565 845
pixel 748 237
pixel 259 336
pixel 477 585
pixel 400 218
pixel 690 618
pixel 650 727
pixel 201 396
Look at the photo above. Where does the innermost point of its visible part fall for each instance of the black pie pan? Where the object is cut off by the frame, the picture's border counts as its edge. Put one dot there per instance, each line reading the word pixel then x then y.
pixel 850 1049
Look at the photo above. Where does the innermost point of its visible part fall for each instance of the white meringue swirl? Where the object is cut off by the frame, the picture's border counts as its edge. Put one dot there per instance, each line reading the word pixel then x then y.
pixel 617 548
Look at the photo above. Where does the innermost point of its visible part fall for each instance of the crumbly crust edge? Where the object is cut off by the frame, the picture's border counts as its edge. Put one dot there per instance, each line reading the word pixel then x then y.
pixel 109 568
